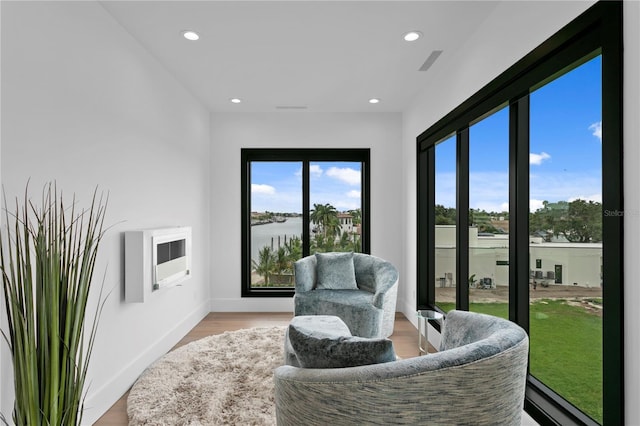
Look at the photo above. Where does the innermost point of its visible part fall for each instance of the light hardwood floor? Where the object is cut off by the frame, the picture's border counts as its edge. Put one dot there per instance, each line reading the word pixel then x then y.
pixel 405 341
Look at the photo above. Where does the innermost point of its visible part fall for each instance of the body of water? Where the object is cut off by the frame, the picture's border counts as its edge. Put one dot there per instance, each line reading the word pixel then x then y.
pixel 266 235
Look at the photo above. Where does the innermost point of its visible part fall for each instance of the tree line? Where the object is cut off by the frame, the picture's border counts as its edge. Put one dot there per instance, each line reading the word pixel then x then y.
pixel 578 221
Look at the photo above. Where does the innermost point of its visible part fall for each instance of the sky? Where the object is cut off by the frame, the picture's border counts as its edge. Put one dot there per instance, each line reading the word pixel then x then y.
pixel 565 158
pixel 277 186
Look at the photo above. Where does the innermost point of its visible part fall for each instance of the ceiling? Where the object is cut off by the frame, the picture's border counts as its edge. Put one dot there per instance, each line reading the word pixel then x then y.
pixel 322 56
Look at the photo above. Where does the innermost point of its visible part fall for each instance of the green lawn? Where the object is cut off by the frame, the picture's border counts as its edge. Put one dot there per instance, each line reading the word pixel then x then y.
pixel 565 349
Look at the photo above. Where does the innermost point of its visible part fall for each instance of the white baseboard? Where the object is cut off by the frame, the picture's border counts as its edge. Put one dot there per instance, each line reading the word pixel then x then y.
pixel 409 311
pixel 98 402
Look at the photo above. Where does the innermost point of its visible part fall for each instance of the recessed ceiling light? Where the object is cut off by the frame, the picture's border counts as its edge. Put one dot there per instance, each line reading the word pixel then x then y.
pixel 190 35
pixel 235 100
pixel 374 100
pixel 412 35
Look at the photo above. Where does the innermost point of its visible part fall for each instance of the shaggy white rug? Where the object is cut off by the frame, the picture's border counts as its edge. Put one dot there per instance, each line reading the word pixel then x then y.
pixel 225 379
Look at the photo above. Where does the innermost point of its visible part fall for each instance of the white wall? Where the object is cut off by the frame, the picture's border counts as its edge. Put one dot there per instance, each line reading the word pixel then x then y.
pixel 488 54
pixel 631 160
pixel 84 104
pixel 231 132
pixel 3 350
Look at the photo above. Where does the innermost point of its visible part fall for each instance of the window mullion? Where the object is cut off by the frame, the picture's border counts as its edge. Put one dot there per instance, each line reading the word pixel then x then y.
pixel 426 229
pixel 246 221
pixel 365 204
pixel 462 219
pixel 613 223
pixel 306 208
pixel 519 212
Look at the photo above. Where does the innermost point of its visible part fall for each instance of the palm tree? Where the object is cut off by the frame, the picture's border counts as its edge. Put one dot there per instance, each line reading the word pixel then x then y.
pixel 320 244
pixel 350 242
pixel 345 242
pixel 317 243
pixel 317 212
pixel 357 246
pixel 294 250
pixel 332 227
pixel 326 216
pixel 281 260
pixel 357 216
pixel 266 263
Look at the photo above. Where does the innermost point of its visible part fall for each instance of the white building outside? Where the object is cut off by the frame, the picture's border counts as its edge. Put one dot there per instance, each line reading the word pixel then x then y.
pixel 346 223
pixel 560 263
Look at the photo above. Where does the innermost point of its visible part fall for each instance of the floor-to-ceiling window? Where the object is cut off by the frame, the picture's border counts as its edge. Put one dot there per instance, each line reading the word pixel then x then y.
pixel 298 202
pixel 565 223
pixel 536 210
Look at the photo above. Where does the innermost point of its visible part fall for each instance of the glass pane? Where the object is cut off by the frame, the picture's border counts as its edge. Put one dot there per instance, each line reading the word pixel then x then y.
pixel 276 222
pixel 445 232
pixel 489 215
pixel 335 200
pixel 566 236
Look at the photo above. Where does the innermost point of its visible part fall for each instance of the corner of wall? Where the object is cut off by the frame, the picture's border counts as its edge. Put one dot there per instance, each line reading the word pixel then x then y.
pixel 631 179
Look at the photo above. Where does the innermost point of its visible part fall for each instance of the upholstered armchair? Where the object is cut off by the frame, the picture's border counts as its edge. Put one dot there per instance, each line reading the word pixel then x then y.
pixel 477 377
pixel 358 288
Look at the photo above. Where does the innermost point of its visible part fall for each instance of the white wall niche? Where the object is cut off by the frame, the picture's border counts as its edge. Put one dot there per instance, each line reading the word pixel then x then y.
pixel 156 259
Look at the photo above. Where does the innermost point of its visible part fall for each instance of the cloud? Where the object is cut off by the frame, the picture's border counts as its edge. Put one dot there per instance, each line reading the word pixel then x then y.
pixel 565 186
pixel 353 194
pixel 344 205
pixel 489 190
pixel 315 170
pixel 492 206
pixel 596 128
pixel 446 189
pixel 346 175
pixel 262 189
pixel 535 205
pixel 537 159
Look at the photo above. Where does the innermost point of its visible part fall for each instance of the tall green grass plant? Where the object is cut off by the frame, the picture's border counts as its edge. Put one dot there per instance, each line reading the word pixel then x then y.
pixel 48 254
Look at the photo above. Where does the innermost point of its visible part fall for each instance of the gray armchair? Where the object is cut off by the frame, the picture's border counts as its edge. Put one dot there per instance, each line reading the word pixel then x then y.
pixel 478 377
pixel 368 306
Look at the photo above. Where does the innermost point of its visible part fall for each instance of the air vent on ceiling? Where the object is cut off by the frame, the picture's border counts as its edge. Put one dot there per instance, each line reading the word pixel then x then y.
pixel 291 107
pixel 430 60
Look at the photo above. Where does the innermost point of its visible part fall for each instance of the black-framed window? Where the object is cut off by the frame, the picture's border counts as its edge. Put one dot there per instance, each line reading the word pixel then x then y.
pixel 296 202
pixel 556 145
